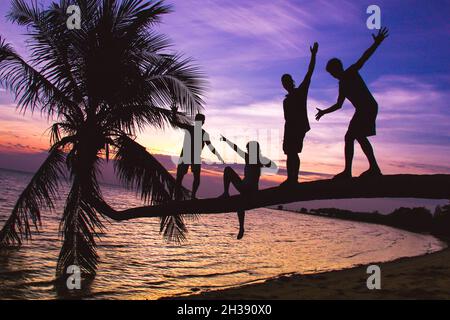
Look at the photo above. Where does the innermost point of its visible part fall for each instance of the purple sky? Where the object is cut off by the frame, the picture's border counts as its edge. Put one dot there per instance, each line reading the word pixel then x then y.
pixel 245 46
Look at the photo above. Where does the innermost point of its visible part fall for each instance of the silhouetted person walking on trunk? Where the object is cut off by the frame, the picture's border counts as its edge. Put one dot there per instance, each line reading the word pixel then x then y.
pixel 195 139
pixel 353 87
pixel 254 161
pixel 296 116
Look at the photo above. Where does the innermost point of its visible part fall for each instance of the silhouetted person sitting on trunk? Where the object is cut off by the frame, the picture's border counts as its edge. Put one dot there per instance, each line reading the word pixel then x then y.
pixel 195 139
pixel 254 161
pixel 296 116
pixel 353 87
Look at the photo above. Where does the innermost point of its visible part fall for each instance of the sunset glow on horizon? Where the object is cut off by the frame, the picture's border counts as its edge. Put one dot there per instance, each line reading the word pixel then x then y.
pixel 244 47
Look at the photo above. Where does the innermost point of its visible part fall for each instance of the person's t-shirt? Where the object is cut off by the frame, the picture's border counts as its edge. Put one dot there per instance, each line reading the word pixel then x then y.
pixel 353 87
pixel 295 108
pixel 189 144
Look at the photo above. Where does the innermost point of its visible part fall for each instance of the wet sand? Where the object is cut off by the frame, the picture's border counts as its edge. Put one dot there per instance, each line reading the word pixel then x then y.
pixel 423 277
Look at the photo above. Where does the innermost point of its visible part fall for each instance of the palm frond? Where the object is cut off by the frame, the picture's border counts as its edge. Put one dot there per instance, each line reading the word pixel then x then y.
pixel 23 13
pixel 31 88
pixel 80 226
pixel 139 170
pixel 173 228
pixel 39 194
pixel 176 78
pixel 137 15
pixel 51 44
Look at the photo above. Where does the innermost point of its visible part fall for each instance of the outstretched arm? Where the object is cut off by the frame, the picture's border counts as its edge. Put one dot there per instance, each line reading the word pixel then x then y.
pixel 268 163
pixel 211 147
pixel 336 106
pixel 312 63
pixel 240 152
pixel 378 39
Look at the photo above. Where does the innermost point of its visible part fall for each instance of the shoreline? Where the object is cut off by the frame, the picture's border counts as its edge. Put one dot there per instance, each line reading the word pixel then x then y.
pixel 426 276
pixel 422 277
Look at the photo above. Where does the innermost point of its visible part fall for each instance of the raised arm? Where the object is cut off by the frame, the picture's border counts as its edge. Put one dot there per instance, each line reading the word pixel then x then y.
pixel 312 63
pixel 378 39
pixel 240 152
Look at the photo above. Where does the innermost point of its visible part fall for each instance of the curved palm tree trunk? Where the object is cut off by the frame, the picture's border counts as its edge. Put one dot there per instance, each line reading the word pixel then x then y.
pixel 395 186
pixel 80 224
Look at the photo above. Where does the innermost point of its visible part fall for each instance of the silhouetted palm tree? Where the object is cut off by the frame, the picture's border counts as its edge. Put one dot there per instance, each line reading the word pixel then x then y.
pixel 101 84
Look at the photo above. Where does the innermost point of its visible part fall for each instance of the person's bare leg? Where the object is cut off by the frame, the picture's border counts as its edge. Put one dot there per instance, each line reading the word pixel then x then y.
pixel 367 148
pixel 230 177
pixel 294 160
pixel 349 153
pixel 196 182
pixel 179 182
pixel 226 182
pixel 241 217
pixel 293 167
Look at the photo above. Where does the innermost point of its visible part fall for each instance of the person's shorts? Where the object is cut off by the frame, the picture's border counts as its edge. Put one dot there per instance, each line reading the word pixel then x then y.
pixel 363 125
pixel 183 168
pixel 293 140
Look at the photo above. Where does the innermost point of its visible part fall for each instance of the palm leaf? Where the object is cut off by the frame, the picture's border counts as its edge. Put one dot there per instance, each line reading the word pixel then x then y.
pixel 139 170
pixel 137 15
pixel 80 226
pixel 31 87
pixel 173 228
pixel 110 79
pixel 39 194
pixel 51 43
pixel 174 78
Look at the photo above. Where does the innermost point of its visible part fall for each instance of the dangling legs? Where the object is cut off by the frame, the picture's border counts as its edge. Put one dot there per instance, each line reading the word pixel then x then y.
pixel 231 177
pixel 241 217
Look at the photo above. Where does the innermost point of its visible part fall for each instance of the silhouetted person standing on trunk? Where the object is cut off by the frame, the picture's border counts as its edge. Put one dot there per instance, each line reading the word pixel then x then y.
pixel 195 139
pixel 362 125
pixel 296 117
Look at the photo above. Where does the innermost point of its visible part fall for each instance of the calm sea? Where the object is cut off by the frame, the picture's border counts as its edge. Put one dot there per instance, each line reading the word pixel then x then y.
pixel 136 263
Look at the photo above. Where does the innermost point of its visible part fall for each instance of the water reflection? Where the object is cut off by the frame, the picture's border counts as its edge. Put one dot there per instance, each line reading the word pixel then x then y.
pixel 136 263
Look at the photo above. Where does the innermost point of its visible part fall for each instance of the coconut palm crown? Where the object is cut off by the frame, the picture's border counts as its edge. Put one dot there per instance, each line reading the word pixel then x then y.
pixel 100 85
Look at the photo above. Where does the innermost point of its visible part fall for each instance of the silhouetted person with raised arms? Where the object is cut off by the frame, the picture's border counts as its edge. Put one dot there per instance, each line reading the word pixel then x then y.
pixel 195 139
pixel 296 117
pixel 254 161
pixel 362 125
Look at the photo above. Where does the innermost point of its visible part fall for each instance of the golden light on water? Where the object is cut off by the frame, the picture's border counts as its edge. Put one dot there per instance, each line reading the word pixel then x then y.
pixel 136 263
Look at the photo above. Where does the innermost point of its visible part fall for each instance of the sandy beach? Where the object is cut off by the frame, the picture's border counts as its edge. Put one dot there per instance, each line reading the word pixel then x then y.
pixel 423 277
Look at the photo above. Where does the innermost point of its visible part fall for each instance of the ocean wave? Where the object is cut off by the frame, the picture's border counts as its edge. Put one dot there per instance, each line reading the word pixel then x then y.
pixel 208 275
